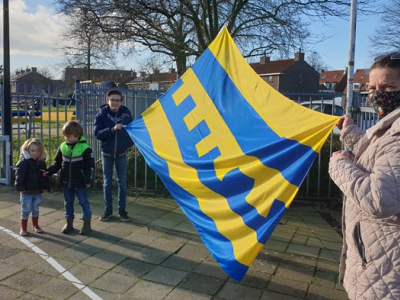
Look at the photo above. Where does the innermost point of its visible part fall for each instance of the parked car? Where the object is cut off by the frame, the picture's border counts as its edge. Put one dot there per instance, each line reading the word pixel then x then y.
pixel 327 107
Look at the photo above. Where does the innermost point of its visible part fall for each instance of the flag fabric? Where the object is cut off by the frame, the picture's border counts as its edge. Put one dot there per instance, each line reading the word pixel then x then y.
pixel 231 150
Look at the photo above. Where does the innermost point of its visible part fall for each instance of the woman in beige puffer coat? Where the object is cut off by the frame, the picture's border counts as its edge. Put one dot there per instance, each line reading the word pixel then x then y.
pixel 370 182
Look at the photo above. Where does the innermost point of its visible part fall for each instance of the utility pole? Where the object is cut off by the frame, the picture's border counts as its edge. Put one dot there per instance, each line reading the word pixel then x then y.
pixel 350 68
pixel 6 125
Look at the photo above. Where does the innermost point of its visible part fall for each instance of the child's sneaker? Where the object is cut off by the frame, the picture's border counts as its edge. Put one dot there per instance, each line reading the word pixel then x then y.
pixel 124 216
pixel 106 215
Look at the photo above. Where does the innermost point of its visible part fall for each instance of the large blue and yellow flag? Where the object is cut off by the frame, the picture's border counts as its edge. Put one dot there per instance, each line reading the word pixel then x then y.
pixel 231 150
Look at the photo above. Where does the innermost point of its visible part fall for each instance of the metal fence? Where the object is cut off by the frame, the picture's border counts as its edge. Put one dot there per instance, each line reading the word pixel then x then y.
pixel 42 113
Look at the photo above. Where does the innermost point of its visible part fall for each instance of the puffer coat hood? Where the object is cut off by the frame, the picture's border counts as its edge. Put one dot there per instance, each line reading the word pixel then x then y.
pixel 370 261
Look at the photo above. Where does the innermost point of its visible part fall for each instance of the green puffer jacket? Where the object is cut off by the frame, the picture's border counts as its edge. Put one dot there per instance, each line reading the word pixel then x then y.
pixel 76 163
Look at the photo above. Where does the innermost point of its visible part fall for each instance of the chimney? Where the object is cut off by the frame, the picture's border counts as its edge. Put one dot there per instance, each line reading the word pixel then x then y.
pixel 27 70
pixel 17 73
pixel 299 56
pixel 133 74
pixel 264 59
pixel 142 74
pixel 156 71
pixel 34 69
pixel 171 70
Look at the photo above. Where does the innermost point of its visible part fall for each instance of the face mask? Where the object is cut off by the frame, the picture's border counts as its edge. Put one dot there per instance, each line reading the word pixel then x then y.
pixel 384 102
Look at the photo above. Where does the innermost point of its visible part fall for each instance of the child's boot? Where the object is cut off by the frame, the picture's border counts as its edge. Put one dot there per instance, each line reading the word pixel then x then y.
pixel 68 227
pixel 86 228
pixel 35 222
pixel 24 227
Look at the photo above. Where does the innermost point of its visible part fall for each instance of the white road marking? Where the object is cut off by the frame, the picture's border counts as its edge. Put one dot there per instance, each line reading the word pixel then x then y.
pixel 54 264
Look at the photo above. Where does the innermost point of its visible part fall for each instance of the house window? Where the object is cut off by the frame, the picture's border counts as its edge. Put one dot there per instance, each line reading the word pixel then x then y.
pixel 334 77
pixel 356 86
pixel 270 78
pixel 300 78
pixel 367 86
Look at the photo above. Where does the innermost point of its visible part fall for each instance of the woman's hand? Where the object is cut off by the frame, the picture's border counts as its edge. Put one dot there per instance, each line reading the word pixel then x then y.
pixel 339 154
pixel 344 122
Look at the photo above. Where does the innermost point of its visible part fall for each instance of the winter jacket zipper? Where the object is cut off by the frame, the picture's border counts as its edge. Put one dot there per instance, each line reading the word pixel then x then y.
pixel 359 243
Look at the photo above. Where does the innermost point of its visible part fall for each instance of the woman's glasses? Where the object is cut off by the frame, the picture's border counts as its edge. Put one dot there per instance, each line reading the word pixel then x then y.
pixel 394 55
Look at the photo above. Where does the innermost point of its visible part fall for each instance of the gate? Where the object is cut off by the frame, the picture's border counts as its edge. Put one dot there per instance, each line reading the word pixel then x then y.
pixel 5 154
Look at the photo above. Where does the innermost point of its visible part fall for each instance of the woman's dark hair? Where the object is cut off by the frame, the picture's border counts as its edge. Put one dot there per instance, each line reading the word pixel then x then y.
pixel 389 61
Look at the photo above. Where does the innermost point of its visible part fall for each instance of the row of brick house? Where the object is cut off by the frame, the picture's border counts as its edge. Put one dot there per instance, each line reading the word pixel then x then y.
pixel 336 81
pixel 290 77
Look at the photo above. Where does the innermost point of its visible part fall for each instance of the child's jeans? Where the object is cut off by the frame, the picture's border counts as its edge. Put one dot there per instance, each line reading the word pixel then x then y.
pixel 30 204
pixel 69 197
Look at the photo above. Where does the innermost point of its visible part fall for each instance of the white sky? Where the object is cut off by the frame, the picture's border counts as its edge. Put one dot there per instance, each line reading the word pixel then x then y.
pixel 34 28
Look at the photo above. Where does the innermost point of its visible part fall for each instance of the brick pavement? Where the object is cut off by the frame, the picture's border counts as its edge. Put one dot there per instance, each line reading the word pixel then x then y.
pixel 158 255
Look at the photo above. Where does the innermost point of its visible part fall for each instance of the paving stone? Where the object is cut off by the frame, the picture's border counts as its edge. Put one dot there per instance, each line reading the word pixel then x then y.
pixel 105 259
pixel 6 252
pixel 114 282
pixel 233 290
pixel 295 272
pixel 43 267
pixel 268 295
pixel 73 254
pixel 276 245
pixel 30 296
pixel 166 245
pixel 136 268
pixel 288 287
pixel 139 239
pixel 86 274
pixel 153 256
pixel 185 226
pixel 180 263
pixel 327 265
pixel 23 259
pixel 25 281
pixel 8 270
pixel 193 252
pixel 165 275
pixel 330 255
pixel 186 294
pixel 9 293
pixel 255 279
pixel 303 250
pixel 319 292
pixel 201 283
pixel 325 278
pixel 164 223
pixel 57 289
pixel 210 268
pixel 145 290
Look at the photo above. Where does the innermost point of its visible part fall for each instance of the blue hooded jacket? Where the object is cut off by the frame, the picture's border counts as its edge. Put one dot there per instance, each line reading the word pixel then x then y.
pixel 112 143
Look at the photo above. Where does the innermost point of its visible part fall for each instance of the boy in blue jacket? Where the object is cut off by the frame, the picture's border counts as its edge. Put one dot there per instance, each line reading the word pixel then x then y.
pixel 114 143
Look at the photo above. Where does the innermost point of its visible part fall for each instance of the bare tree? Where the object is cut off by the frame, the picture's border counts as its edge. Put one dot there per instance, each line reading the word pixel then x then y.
pixel 84 45
pixel 315 60
pixel 386 37
pixel 46 72
pixel 185 28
